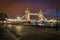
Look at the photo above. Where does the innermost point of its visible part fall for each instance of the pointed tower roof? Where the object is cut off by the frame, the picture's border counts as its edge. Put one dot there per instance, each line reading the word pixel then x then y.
pixel 40 12
pixel 27 9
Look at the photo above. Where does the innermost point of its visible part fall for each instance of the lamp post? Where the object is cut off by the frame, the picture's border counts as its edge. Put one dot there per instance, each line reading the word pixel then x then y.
pixel 57 9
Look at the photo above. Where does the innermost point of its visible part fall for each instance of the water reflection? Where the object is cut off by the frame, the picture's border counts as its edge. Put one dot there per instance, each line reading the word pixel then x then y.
pixel 9 26
pixel 18 28
pixel 32 33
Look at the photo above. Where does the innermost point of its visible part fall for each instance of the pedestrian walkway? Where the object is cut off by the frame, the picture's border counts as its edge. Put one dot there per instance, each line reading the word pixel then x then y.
pixel 5 34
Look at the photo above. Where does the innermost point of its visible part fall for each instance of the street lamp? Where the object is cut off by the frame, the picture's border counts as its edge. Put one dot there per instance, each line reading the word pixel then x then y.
pixel 18 17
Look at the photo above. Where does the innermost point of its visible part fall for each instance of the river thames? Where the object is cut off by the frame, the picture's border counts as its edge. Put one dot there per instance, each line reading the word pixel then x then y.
pixel 21 32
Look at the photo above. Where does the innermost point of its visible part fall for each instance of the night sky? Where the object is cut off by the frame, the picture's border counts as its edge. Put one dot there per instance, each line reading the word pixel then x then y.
pixel 14 8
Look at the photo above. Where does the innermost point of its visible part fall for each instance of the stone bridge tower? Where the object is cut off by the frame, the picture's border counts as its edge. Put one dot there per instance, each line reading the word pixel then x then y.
pixel 40 16
pixel 27 15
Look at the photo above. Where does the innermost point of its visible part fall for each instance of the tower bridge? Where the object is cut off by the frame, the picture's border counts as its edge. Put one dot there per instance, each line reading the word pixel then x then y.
pixel 41 18
pixel 27 16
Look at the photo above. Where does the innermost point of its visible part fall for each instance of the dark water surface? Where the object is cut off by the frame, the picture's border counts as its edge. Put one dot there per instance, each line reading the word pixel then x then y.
pixel 20 32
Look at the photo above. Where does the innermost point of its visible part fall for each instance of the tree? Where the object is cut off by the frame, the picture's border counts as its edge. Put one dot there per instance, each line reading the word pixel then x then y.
pixel 3 16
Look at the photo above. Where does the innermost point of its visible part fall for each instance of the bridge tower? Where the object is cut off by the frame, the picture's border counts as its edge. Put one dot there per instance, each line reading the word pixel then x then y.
pixel 27 15
pixel 40 16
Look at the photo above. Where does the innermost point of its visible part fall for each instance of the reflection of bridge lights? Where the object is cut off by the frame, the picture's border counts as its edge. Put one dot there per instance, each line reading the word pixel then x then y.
pixel 8 22
pixel 4 21
pixel 9 26
pixel 18 28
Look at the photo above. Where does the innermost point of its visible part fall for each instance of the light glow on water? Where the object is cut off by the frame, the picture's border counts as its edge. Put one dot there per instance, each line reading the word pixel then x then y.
pixel 18 28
